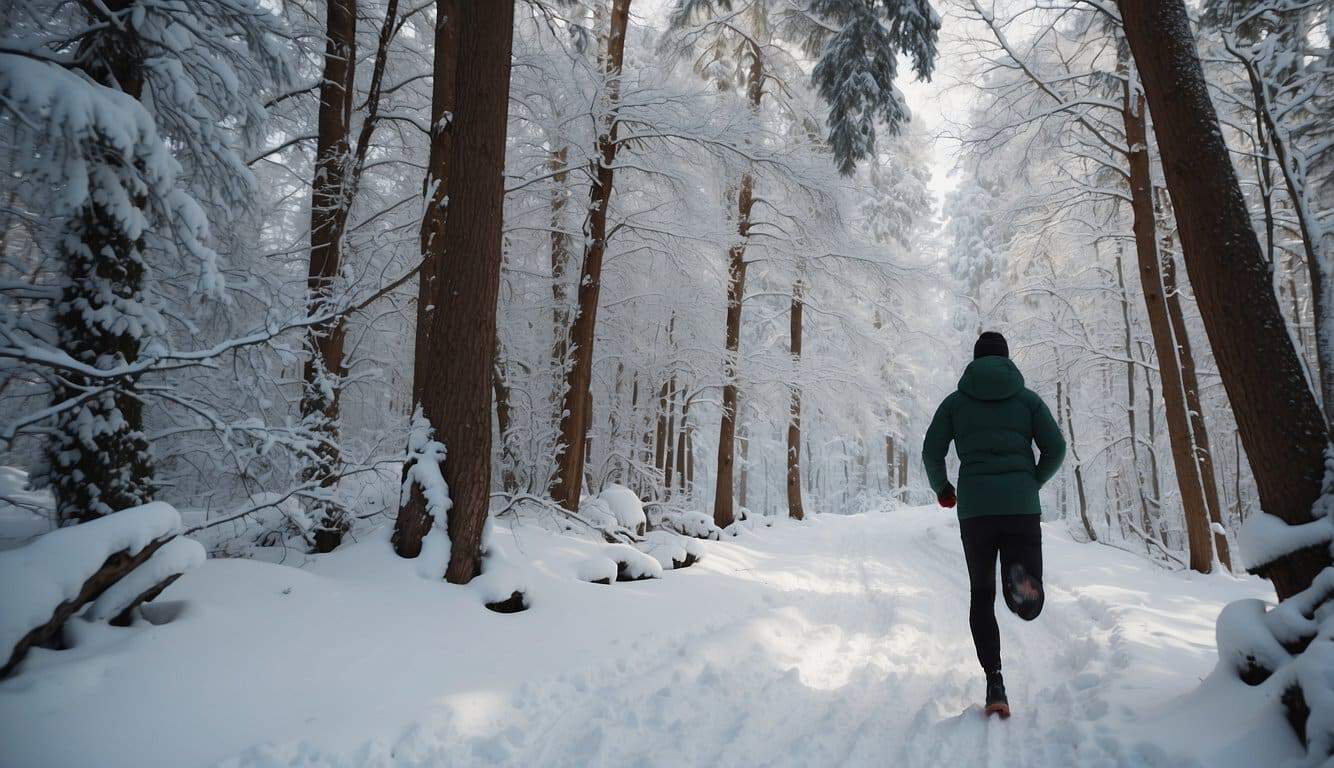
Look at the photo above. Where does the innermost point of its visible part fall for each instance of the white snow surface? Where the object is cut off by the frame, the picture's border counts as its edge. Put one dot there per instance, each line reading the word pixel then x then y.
pixel 38 576
pixel 836 641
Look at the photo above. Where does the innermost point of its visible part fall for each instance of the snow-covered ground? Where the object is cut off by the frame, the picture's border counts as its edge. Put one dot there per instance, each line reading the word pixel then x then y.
pixel 838 641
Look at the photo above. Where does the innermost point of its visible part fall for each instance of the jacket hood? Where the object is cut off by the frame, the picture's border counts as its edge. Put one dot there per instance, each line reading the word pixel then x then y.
pixel 991 378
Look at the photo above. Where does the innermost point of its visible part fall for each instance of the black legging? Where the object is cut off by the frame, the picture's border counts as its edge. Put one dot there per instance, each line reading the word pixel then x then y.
pixel 1017 539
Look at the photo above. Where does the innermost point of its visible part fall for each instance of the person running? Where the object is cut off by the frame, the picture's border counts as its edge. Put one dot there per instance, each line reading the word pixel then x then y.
pixel 994 421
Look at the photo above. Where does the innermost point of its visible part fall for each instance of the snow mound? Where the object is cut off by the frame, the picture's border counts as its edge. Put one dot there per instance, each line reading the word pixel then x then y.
pixel 596 569
pixel 687 522
pixel 53 568
pixel 626 506
pixel 633 565
pixel 672 550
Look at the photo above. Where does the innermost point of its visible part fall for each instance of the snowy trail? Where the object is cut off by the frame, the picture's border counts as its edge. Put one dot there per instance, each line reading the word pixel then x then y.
pixel 858 654
pixel 839 641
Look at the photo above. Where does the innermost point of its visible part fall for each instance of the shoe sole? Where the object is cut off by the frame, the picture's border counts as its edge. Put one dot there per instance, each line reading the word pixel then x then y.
pixel 997 709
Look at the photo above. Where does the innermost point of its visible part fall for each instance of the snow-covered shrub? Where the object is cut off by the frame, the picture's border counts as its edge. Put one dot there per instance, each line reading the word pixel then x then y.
pixel 633 565
pixel 672 550
pixel 1287 651
pixel 687 522
pixel 625 506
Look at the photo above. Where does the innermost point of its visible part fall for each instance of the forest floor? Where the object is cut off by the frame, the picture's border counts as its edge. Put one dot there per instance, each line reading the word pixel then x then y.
pixel 837 641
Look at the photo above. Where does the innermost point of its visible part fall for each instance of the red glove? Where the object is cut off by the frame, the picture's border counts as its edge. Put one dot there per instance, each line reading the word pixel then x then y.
pixel 946 497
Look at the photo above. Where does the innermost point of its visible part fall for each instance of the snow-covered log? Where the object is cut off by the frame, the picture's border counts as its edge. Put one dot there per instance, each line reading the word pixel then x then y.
pixel 52 578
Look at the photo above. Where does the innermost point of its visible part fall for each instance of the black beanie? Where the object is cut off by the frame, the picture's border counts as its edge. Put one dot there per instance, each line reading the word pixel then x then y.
pixel 990 343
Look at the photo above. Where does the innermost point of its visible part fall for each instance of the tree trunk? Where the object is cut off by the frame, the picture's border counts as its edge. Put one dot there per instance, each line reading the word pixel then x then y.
pixel 329 202
pixel 1191 387
pixel 1078 467
pixel 1313 238
pixel 501 389
pixel 681 441
pixel 1275 409
pixel 669 460
pixel 660 434
pixel 560 259
pixel 743 450
pixel 1130 392
pixel 1155 304
pixel 736 288
pixel 794 508
pixel 575 417
pixel 1151 414
pixel 457 312
pixel 891 463
pixel 413 520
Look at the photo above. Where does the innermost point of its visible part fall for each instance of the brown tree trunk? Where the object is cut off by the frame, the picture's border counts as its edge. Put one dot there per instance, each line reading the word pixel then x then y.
pixel 1313 240
pixel 794 508
pixel 891 463
pixel 575 418
pixel 413 521
pixel 337 173
pixel 1191 387
pixel 329 202
pixel 459 311
pixel 736 287
pixel 681 441
pixel 1275 409
pixel 1155 304
pixel 669 460
pixel 1130 394
pixel 660 434
pixel 1151 417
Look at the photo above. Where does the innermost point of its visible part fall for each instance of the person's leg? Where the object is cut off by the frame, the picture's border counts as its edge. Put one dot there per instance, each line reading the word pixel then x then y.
pixel 980 547
pixel 1021 565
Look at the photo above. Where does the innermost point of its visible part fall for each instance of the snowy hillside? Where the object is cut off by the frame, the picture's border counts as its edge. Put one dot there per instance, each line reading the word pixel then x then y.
pixel 837 641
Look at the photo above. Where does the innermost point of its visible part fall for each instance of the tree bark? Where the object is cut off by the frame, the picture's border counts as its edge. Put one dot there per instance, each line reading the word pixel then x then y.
pixel 575 418
pixel 736 287
pixel 743 451
pixel 113 569
pixel 460 308
pixel 1313 238
pixel 560 258
pixel 682 446
pixel 1204 457
pixel 1078 467
pixel 413 520
pixel 1130 392
pixel 1155 304
pixel 1275 409
pixel 500 388
pixel 669 458
pixel 329 202
pixel 794 507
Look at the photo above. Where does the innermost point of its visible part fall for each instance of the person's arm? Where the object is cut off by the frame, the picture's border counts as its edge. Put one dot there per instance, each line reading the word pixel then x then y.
pixel 1050 442
pixel 936 445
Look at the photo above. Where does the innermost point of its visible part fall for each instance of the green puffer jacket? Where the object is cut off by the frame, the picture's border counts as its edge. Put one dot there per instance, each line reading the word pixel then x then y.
pixel 994 421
